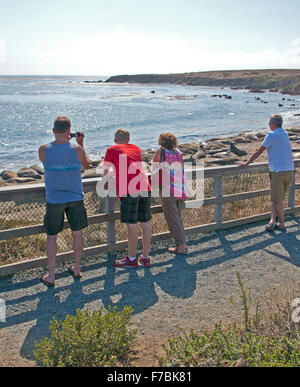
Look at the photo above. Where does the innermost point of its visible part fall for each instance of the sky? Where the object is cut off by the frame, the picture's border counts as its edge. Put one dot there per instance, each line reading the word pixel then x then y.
pixel 110 37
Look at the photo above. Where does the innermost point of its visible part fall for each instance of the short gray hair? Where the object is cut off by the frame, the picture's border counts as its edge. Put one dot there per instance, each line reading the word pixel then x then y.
pixel 277 120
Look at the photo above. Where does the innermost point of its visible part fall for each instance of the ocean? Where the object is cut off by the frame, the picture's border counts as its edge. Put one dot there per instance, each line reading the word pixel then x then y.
pixel 30 104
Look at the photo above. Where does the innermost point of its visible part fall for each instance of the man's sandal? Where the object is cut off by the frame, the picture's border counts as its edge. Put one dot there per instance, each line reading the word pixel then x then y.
pixel 71 271
pixel 47 283
pixel 271 227
pixel 282 229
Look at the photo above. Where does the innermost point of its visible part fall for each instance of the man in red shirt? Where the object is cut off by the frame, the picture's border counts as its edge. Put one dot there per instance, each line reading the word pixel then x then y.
pixel 133 190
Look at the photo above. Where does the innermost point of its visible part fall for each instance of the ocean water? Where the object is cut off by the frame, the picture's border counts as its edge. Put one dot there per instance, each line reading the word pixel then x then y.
pixel 29 105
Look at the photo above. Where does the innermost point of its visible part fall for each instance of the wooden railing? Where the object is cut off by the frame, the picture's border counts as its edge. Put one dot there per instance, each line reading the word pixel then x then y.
pixel 37 192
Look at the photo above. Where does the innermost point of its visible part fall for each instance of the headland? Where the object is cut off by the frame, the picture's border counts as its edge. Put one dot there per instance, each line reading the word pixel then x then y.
pixel 281 80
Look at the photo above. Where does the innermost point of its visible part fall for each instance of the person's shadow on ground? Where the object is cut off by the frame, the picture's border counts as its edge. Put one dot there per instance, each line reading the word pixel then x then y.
pixel 175 275
pixel 49 306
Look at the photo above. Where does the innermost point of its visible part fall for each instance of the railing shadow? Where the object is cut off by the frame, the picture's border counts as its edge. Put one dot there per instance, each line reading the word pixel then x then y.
pixel 28 301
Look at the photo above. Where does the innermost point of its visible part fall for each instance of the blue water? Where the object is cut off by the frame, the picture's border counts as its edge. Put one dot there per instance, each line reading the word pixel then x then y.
pixel 29 105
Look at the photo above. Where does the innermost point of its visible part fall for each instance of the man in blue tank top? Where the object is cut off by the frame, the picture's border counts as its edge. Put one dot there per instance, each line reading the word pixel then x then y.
pixel 63 162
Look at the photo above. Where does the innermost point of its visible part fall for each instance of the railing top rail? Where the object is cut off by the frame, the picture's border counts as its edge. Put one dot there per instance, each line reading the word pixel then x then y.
pixel 89 184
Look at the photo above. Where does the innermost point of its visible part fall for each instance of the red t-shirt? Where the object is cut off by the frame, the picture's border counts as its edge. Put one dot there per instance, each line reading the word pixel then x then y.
pixel 130 176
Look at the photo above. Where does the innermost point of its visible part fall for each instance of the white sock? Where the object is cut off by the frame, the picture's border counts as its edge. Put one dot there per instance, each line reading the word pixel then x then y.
pixel 131 259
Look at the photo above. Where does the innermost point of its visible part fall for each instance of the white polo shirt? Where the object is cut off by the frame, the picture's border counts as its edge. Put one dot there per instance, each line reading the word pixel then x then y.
pixel 279 151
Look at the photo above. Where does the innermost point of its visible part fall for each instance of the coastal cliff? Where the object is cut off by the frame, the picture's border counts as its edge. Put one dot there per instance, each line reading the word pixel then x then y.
pixel 283 81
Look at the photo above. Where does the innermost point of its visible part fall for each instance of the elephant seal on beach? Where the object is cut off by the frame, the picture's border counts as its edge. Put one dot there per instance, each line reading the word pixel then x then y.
pixel 238 152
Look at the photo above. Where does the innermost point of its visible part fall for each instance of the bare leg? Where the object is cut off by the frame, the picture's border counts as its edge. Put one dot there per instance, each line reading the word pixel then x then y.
pixel 273 213
pixel 146 238
pixel 78 248
pixel 51 255
pixel 279 207
pixel 132 239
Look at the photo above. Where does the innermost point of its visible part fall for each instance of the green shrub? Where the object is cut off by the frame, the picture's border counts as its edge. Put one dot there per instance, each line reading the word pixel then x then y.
pixel 251 347
pixel 231 347
pixel 98 339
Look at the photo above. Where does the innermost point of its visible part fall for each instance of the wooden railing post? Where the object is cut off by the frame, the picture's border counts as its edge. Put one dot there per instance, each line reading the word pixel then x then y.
pixel 110 225
pixel 218 194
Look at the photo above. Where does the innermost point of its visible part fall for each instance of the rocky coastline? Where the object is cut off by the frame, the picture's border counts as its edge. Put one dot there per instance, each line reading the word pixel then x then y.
pixel 219 151
pixel 281 81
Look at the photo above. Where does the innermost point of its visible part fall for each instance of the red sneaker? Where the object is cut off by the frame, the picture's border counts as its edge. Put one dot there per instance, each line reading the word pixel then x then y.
pixel 144 261
pixel 125 262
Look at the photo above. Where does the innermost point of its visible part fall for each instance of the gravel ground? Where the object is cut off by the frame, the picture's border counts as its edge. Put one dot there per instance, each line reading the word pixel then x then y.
pixel 191 291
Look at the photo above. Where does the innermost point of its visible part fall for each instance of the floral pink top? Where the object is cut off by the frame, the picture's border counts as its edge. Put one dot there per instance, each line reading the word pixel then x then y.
pixel 173 165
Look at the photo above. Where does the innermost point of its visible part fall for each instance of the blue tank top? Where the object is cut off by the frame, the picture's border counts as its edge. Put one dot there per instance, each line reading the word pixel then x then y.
pixel 62 174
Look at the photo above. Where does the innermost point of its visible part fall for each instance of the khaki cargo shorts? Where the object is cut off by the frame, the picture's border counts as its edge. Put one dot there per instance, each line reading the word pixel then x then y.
pixel 280 182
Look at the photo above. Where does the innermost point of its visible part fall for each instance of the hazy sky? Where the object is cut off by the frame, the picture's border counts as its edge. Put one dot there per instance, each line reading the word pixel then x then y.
pixel 107 37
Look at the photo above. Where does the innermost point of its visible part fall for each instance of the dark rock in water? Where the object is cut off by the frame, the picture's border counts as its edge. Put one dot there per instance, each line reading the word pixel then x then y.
pixel 238 152
pixel 152 92
pixel 280 105
pixel 27 172
pixel 6 174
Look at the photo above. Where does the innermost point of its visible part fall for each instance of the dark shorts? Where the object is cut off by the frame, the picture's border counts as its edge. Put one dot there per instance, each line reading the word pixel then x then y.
pixel 135 209
pixel 55 215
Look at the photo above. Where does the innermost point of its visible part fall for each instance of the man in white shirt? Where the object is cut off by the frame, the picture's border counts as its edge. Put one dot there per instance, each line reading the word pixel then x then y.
pixel 281 167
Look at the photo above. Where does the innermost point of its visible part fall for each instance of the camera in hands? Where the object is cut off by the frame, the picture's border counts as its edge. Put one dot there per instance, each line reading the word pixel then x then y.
pixel 73 135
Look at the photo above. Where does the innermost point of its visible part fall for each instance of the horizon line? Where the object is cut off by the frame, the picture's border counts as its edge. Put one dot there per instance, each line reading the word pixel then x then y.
pixel 147 73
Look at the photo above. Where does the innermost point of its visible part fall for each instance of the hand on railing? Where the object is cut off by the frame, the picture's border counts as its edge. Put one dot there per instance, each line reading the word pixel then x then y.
pixel 242 164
